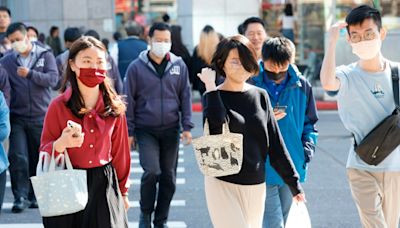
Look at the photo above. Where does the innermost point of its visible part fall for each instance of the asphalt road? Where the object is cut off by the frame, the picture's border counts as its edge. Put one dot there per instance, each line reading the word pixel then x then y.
pixel 327 191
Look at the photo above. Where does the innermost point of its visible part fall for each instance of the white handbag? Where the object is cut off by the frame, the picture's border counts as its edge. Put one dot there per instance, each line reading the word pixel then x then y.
pixel 60 192
pixel 44 163
pixel 219 155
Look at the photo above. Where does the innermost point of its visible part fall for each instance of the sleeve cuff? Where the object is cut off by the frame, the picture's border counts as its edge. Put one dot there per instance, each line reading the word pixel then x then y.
pixel 187 128
pixel 296 189
pixel 131 133
pixel 29 76
pixel 124 191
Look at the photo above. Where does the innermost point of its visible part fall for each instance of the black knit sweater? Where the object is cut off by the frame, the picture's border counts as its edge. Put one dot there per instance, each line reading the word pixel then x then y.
pixel 250 114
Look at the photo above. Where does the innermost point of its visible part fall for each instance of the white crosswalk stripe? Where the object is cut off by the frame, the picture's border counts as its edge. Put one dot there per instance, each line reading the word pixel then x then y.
pixel 171 224
pixel 140 170
pixel 179 181
pixel 136 154
pixel 134 204
pixel 136 160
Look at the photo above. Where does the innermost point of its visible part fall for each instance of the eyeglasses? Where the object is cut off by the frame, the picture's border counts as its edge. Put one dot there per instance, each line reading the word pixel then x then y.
pixel 235 62
pixel 369 35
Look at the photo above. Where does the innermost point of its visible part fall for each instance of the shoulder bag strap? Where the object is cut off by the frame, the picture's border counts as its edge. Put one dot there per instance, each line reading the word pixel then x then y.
pixel 395 82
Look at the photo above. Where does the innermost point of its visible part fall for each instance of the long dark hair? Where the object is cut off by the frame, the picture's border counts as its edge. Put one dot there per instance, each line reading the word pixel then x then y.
pixel 178 48
pixel 288 9
pixel 113 103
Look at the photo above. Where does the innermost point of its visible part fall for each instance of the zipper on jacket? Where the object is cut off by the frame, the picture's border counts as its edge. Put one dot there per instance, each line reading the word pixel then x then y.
pixel 280 96
pixel 162 101
pixel 29 84
pixel 30 102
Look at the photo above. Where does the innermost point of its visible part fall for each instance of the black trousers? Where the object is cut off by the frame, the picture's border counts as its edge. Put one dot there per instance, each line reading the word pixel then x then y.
pixel 105 207
pixel 158 154
pixel 24 155
pixel 3 179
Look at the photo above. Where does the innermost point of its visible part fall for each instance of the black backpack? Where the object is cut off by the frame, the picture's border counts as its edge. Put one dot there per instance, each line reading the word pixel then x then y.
pixel 385 137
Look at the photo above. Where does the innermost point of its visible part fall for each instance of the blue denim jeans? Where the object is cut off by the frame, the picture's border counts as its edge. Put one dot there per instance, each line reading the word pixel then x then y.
pixel 277 206
pixel 158 155
pixel 288 33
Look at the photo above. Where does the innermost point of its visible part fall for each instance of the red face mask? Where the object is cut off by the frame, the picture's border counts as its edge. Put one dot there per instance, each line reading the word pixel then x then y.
pixel 91 77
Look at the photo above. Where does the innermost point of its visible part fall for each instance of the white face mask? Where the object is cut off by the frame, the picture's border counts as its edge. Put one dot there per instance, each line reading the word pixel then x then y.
pixel 368 49
pixel 33 39
pixel 20 46
pixel 160 49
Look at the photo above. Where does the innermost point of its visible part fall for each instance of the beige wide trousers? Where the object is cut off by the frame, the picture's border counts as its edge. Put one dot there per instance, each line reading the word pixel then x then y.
pixel 377 197
pixel 233 205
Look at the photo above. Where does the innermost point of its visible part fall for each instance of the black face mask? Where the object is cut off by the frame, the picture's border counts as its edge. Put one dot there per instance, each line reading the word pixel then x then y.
pixel 275 76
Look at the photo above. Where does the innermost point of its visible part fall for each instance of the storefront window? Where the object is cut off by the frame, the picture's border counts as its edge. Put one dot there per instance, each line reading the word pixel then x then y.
pixel 316 15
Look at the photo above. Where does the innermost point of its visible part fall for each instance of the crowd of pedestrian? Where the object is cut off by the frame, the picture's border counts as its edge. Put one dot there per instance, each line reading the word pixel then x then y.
pixel 136 94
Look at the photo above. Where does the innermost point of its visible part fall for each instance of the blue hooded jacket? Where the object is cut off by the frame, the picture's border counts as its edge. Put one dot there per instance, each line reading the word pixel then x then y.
pixel 298 126
pixel 4 132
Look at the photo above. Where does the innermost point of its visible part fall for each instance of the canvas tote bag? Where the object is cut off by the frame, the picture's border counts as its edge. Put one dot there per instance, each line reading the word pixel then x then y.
pixel 219 155
pixel 60 192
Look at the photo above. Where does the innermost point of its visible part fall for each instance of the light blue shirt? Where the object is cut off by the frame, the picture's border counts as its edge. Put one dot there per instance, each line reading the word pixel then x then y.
pixel 364 100
pixel 29 60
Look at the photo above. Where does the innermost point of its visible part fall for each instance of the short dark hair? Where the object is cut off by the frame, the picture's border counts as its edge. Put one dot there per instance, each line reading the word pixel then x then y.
pixel 53 29
pixel 117 36
pixel 134 29
pixel 361 13
pixel 278 50
pixel 251 20
pixel 247 54
pixel 240 29
pixel 105 42
pixel 92 33
pixel 161 26
pixel 34 29
pixel 166 18
pixel 42 37
pixel 71 34
pixel 17 26
pixel 5 9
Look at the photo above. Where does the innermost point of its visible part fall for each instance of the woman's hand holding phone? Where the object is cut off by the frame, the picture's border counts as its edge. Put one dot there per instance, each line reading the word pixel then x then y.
pixel 71 137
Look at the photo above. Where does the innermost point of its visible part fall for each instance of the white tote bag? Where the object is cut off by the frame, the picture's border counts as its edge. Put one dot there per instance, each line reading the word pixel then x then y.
pixel 298 216
pixel 60 192
pixel 219 155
